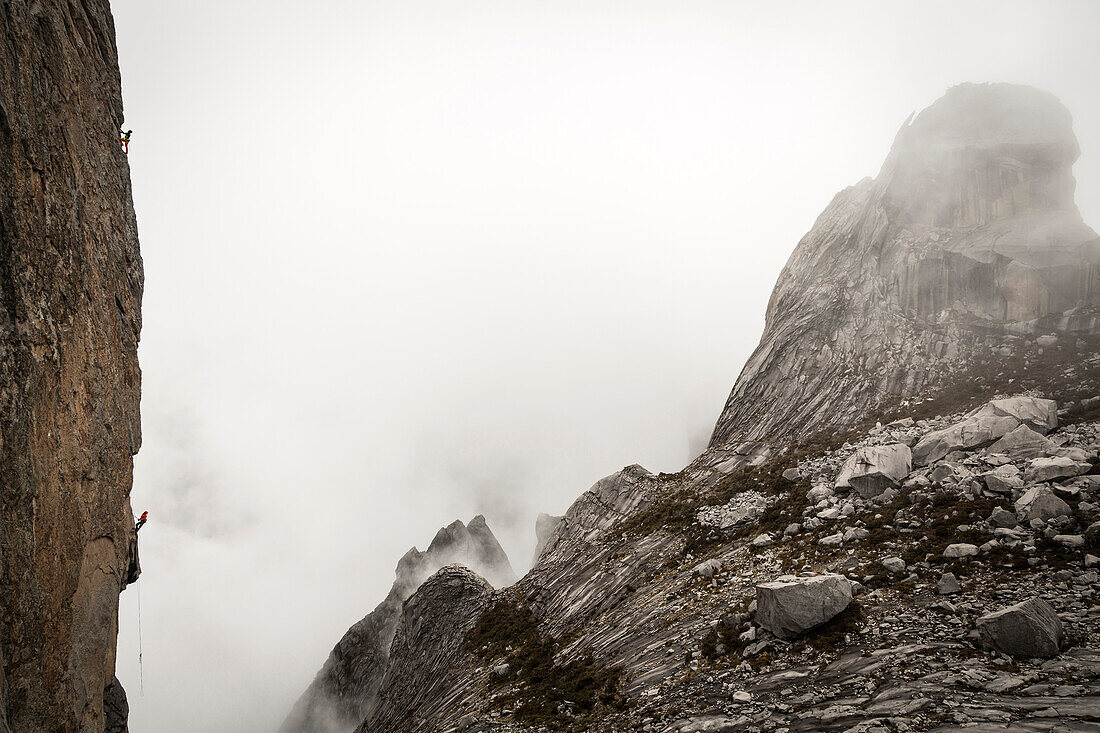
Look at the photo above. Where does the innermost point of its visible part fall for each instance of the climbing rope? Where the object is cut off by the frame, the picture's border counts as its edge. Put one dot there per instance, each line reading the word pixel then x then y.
pixel 141 668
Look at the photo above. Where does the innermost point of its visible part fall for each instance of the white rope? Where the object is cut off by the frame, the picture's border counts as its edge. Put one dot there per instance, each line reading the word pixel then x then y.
pixel 141 667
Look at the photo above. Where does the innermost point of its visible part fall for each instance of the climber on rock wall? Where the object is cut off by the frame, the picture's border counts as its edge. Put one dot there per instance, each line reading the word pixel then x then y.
pixel 141 521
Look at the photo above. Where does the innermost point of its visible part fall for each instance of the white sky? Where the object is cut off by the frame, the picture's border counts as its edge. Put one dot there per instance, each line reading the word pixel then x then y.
pixel 412 261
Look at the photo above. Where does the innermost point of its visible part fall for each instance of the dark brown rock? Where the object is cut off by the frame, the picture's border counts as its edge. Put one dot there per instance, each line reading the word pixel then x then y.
pixel 116 709
pixel 70 315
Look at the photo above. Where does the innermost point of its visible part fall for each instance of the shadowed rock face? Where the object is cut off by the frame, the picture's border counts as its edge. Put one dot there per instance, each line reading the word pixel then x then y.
pixel 70 299
pixel 429 642
pixel 345 689
pixel 970 229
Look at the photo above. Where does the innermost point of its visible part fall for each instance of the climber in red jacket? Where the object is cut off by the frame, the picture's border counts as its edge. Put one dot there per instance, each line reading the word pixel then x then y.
pixel 144 518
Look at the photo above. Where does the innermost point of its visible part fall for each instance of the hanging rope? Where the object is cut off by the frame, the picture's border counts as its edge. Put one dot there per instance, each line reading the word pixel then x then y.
pixel 141 668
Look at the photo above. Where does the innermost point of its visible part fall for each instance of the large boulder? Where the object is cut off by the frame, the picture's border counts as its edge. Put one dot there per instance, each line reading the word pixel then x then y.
pixel 1050 469
pixel 790 605
pixel 1028 629
pixel 871 470
pixel 1023 442
pixel 1039 502
pixel 1003 479
pixel 988 423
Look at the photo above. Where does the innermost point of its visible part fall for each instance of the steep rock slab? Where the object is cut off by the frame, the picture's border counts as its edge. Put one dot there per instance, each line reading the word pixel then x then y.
pixel 70 315
pixel 789 605
pixel 344 689
pixel 1027 629
pixel 430 640
pixel 968 233
pixel 608 501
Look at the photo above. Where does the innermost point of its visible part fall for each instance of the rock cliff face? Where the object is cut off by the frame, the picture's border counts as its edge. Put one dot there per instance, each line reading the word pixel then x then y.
pixel 346 688
pixel 969 232
pixel 429 643
pixel 864 582
pixel 70 297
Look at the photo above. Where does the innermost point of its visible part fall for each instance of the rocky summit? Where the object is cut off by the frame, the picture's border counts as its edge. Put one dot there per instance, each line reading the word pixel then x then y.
pixel 896 526
pixel 345 690
pixel 965 249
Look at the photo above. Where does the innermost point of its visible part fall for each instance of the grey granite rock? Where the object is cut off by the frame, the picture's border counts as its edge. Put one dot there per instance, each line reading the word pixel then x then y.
pixel 1039 502
pixel 871 470
pixel 986 424
pixel 970 228
pixel 1050 469
pixel 1030 628
pixel 789 605
pixel 1023 442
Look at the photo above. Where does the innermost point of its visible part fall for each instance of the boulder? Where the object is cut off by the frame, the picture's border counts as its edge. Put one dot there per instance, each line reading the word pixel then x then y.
pixel 942 472
pixel 1039 502
pixel 762 540
pixel 987 424
pixel 961 549
pixel 1003 479
pixel 1023 442
pixel 792 475
pixel 1073 541
pixel 789 605
pixel 856 533
pixel 708 568
pixel 1027 629
pixel 1049 469
pixel 948 584
pixel 894 564
pixel 1002 518
pixel 873 469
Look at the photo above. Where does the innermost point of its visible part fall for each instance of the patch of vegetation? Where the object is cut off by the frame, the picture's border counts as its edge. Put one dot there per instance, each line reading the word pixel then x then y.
pixel 677 509
pixel 564 696
pixel 1023 370
pixel 723 640
pixel 1058 372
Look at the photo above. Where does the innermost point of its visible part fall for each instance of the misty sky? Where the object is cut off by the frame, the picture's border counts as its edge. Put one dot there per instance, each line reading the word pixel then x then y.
pixel 413 261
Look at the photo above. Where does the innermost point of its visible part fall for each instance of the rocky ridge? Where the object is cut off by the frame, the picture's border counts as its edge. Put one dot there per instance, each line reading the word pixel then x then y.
pixel 698 654
pixel 345 689
pixel 70 316
pixel 895 527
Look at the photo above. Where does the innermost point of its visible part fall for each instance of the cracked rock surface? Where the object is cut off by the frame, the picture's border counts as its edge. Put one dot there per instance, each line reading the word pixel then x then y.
pixel 70 315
